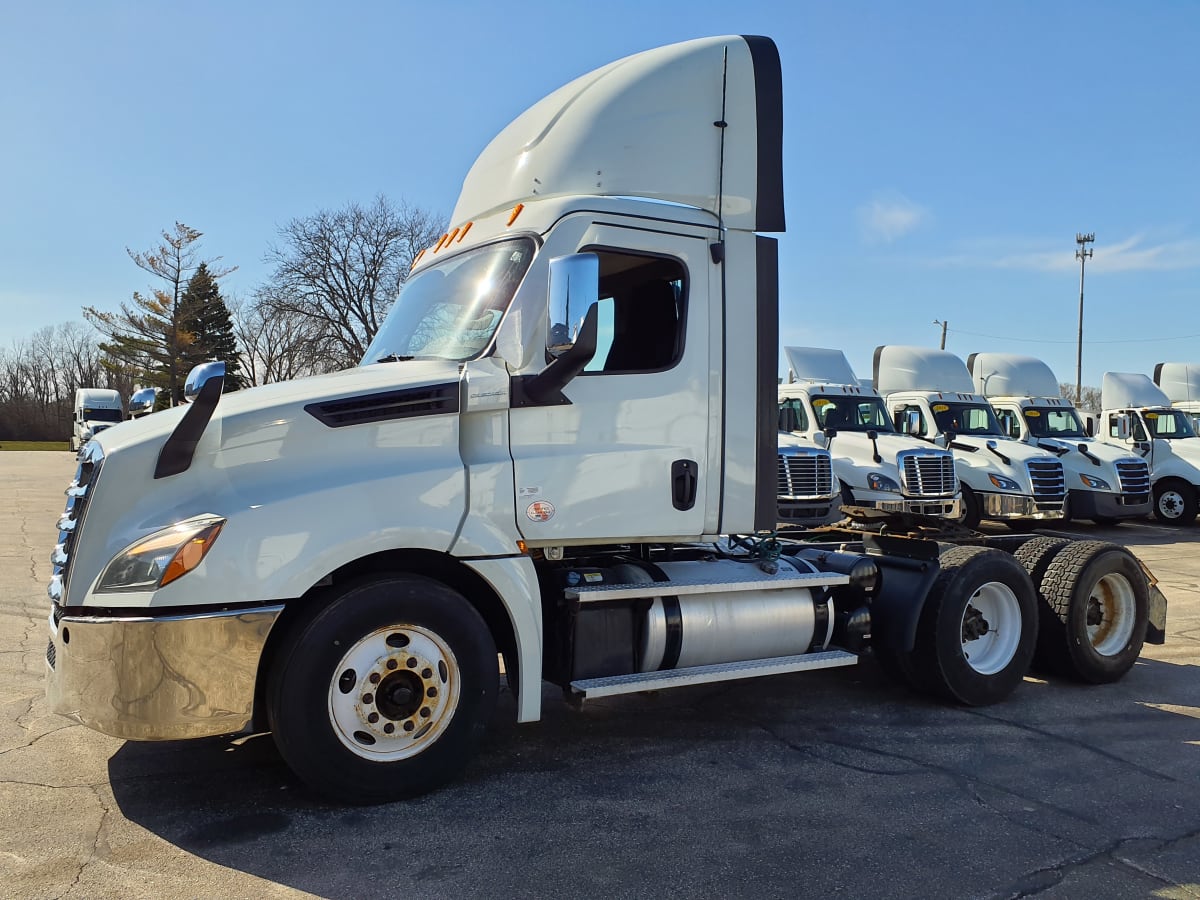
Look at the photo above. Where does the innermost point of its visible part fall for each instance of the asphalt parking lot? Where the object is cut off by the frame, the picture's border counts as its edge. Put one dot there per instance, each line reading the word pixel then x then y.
pixel 833 783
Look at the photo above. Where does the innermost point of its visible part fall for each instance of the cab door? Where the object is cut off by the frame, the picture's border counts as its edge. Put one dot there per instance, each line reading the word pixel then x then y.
pixel 628 456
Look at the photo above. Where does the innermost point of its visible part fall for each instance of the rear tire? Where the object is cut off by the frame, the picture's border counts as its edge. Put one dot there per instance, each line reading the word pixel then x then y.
pixel 1036 555
pixel 1174 502
pixel 1096 605
pixel 978 627
pixel 384 692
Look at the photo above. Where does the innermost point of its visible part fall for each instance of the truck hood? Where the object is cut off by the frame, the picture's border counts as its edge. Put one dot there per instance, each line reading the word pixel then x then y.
pixel 1184 449
pixel 1016 451
pixel 855 447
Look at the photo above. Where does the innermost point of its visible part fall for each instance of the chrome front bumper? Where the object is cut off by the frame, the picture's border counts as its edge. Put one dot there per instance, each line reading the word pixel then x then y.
pixel 947 509
pixel 158 679
pixel 1017 506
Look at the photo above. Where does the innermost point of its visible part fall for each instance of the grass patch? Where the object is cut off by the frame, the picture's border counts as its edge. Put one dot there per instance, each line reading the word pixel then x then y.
pixel 35 445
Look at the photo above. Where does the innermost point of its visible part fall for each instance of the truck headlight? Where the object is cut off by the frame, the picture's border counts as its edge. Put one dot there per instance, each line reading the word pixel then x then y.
pixel 1005 484
pixel 160 558
pixel 1098 483
pixel 878 482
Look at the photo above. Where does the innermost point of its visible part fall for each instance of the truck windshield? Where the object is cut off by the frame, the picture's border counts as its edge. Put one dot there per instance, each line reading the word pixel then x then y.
pixel 966 418
pixel 851 413
pixel 1168 423
pixel 451 310
pixel 93 414
pixel 1054 423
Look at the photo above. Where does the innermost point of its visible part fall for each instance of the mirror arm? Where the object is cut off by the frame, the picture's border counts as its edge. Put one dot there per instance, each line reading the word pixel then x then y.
pixel 545 388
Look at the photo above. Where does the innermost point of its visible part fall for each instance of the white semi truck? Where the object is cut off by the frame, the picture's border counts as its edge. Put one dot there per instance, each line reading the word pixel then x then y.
pixel 876 466
pixel 340 559
pixel 809 493
pixel 95 410
pixel 1138 416
pixel 929 394
pixel 1180 381
pixel 1105 483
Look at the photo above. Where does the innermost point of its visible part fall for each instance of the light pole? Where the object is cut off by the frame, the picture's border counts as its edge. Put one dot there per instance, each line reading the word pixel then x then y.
pixel 1082 255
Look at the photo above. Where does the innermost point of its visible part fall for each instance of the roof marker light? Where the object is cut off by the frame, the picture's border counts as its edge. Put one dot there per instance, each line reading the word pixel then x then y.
pixel 516 212
pixel 465 229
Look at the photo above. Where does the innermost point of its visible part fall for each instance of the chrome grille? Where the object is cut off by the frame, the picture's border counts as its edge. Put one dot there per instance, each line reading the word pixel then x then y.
pixel 805 474
pixel 69 523
pixel 1134 475
pixel 1049 482
pixel 927 474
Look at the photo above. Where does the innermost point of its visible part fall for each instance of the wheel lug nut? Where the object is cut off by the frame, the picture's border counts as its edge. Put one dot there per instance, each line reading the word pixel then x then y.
pixel 374 678
pixel 409 726
pixel 391 664
pixel 389 728
pixel 427 673
pixel 373 718
pixel 425 712
pixel 368 698
pixel 432 692
pixel 411 663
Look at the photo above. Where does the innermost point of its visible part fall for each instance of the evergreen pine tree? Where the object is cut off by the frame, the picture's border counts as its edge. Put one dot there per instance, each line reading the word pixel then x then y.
pixel 209 327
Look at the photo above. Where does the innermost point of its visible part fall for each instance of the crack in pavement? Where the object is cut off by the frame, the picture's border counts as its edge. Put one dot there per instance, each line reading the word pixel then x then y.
pixel 1082 745
pixel 101 831
pixel 39 737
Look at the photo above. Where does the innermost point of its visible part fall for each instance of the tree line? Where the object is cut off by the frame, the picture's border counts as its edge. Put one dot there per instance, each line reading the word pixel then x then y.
pixel 335 275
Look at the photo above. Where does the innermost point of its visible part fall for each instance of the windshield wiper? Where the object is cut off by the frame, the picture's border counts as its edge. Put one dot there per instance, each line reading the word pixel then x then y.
pixel 392 357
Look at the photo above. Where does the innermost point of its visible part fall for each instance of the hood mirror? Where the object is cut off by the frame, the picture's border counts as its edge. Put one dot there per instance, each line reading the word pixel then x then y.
pixel 199 375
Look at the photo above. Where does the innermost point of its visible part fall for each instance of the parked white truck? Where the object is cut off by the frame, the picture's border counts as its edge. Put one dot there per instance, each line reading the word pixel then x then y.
pixel 95 410
pixel 875 466
pixel 808 491
pixel 1138 416
pixel 1105 483
pixel 930 395
pixel 339 559
pixel 1180 381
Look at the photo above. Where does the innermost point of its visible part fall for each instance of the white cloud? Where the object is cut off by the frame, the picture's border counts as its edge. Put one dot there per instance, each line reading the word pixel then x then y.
pixel 1133 254
pixel 888 218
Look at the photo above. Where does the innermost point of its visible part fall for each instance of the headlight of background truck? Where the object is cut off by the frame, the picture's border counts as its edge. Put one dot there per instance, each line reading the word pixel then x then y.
pixel 1098 483
pixel 877 482
pixel 1005 484
pixel 161 557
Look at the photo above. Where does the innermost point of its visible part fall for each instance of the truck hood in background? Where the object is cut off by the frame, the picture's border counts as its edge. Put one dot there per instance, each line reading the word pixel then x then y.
pixel 855 447
pixel 1018 452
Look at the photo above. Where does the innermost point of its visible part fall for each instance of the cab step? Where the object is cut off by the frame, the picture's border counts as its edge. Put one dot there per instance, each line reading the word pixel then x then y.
pixel 591 688
pixel 596 593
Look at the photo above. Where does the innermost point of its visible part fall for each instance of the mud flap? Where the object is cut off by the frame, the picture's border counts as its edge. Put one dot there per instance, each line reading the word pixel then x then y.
pixel 1156 624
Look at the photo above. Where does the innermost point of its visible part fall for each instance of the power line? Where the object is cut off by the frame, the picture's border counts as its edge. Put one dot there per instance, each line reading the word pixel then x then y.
pixel 996 337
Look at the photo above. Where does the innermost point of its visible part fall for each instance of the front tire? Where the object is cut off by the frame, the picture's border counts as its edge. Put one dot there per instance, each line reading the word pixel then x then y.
pixel 972 509
pixel 384 692
pixel 978 627
pixel 1174 502
pixel 1096 608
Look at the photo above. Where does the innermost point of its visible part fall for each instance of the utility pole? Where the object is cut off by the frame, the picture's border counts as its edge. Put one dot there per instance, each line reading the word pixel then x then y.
pixel 1082 254
pixel 944 325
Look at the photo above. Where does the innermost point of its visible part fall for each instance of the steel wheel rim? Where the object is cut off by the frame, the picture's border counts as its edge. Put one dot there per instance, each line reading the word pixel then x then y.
pixel 1110 614
pixel 393 693
pixel 991 628
pixel 1170 504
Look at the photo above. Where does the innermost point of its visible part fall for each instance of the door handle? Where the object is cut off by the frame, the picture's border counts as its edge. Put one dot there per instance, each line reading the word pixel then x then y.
pixel 684 477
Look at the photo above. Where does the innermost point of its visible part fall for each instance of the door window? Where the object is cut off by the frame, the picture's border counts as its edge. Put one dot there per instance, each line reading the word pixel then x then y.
pixel 641 311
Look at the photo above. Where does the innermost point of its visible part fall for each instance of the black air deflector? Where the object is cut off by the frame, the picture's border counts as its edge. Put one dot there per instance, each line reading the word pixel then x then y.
pixel 431 400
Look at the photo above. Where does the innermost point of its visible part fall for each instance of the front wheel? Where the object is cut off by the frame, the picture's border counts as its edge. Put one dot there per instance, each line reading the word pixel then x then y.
pixel 384 692
pixel 1174 502
pixel 978 628
pixel 972 509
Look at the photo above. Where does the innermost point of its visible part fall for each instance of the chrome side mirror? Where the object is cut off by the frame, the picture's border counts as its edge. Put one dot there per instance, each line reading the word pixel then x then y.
pixel 199 375
pixel 912 422
pixel 574 287
pixel 1124 427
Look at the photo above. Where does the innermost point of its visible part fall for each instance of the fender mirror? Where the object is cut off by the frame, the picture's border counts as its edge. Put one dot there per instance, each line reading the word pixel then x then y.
pixel 199 375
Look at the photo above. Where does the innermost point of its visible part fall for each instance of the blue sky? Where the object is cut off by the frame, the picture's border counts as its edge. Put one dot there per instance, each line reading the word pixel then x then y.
pixel 939 157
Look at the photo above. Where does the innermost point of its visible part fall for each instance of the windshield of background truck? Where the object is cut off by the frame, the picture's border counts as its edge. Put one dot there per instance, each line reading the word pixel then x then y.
pixel 851 413
pixel 1168 423
pixel 451 310
pixel 1054 423
pixel 92 414
pixel 966 418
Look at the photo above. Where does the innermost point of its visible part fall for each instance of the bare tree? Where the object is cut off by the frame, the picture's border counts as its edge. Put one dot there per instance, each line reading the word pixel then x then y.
pixel 1089 396
pixel 343 268
pixel 279 345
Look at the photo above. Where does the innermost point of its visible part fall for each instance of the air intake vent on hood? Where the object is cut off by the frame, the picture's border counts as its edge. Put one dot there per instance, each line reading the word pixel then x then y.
pixel 431 400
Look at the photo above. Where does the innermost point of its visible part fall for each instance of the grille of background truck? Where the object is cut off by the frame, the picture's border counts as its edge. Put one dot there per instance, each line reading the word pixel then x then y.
pixel 928 474
pixel 1049 482
pixel 1134 475
pixel 805 475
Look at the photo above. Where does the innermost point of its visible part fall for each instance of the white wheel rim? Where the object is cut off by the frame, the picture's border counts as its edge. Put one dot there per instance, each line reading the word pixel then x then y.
pixel 1111 611
pixel 991 628
pixel 1170 504
pixel 394 693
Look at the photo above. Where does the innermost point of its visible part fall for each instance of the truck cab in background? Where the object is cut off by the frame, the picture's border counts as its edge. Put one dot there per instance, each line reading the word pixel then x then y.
pixel 809 493
pixel 1138 416
pixel 1181 383
pixel 930 395
pixel 876 467
pixel 1105 483
pixel 95 410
